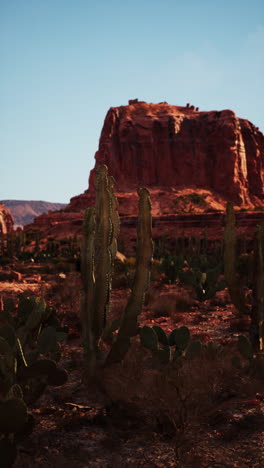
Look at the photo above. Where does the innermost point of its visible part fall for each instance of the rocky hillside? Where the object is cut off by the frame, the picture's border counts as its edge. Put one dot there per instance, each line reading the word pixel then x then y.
pixel 24 211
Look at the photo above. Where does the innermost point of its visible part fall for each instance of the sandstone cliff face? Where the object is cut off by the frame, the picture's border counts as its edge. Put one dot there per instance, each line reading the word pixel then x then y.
pixel 6 220
pixel 176 152
pixel 158 145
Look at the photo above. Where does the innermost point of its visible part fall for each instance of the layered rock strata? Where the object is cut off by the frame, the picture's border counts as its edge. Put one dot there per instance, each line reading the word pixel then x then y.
pixel 158 145
pixel 192 162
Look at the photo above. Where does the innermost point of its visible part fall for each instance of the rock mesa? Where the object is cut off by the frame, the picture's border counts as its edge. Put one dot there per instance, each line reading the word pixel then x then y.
pixel 175 152
pixel 159 145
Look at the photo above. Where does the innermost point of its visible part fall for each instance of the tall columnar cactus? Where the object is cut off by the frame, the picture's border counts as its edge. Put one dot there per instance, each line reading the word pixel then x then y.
pixel 99 247
pixel 257 311
pixel 236 294
pixel 129 324
pixel 230 242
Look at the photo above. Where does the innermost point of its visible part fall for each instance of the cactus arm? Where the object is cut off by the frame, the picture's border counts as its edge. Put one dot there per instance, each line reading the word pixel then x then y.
pixel 236 294
pixel 129 325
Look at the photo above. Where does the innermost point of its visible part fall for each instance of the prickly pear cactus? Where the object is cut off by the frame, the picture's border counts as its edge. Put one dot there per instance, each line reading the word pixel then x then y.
pixel 254 359
pixel 8 452
pixel 24 337
pixel 173 347
pixel 13 415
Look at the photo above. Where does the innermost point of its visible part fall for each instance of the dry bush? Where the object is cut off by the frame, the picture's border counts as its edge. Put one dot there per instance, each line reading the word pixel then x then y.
pixel 169 304
pixel 220 299
pixel 66 293
pixel 172 398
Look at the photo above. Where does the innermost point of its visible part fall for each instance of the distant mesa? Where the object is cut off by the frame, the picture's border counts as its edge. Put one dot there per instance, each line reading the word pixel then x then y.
pixel 24 211
pixel 160 145
pixel 176 152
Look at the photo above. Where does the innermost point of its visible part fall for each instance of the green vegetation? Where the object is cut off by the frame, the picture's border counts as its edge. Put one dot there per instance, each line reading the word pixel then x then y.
pixel 29 347
pixel 176 347
pixel 101 228
pixel 236 291
pixel 187 203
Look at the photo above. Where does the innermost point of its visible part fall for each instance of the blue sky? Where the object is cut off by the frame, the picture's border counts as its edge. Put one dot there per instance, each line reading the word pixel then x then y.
pixel 65 62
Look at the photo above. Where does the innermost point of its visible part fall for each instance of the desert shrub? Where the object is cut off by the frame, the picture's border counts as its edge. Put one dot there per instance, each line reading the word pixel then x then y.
pixel 167 305
pixel 171 265
pixel 173 398
pixel 188 202
pixel 65 293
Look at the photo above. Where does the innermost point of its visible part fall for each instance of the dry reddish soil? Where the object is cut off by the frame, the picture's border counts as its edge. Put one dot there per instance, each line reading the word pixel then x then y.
pixel 126 421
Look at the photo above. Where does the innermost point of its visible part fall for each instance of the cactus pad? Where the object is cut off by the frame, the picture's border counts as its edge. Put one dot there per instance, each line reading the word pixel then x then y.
pixel 180 337
pixel 57 377
pixel 194 349
pixel 47 340
pixel 162 337
pixel 149 338
pixel 8 333
pixel 13 415
pixel 8 453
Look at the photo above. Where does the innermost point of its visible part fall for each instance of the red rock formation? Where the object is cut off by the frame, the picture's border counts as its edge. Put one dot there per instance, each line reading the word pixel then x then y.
pixel 158 145
pixel 175 152
pixel 6 220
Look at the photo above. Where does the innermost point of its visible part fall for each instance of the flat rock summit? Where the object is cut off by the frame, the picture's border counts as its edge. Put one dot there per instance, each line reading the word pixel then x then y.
pixel 175 151
pixel 159 145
